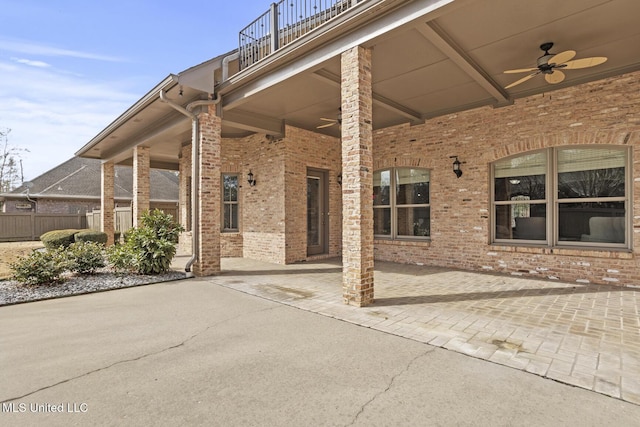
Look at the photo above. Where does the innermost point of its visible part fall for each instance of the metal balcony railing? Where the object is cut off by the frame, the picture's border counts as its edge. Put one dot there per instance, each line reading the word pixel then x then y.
pixel 283 23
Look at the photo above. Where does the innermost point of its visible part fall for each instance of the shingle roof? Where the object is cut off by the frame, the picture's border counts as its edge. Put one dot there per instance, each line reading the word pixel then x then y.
pixel 80 177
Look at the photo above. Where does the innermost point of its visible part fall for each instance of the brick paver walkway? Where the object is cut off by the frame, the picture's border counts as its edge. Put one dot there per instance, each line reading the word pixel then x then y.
pixel 584 335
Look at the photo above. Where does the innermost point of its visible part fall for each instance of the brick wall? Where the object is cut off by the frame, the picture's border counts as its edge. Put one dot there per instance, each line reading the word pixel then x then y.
pixel 54 206
pixel 263 205
pixel 306 149
pixel 604 112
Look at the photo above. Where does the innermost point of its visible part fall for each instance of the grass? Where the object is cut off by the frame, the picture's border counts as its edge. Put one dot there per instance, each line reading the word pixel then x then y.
pixel 11 251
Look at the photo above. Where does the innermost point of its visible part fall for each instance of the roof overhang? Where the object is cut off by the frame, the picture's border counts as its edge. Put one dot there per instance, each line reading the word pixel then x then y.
pixel 430 58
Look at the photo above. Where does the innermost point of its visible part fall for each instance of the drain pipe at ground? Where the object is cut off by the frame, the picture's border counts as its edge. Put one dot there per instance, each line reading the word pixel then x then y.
pixel 195 171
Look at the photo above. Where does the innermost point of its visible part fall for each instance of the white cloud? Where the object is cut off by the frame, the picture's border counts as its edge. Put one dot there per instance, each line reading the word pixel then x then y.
pixel 53 115
pixel 29 48
pixel 31 63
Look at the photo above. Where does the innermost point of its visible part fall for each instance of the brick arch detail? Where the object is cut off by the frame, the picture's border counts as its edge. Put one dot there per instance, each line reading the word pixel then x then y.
pixel 393 162
pixel 543 141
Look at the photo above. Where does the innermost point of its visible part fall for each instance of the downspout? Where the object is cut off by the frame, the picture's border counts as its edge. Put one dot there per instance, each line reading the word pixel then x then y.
pixel 195 170
pixel 225 64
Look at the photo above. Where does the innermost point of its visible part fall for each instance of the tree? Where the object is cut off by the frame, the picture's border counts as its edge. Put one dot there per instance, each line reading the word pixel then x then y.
pixel 10 163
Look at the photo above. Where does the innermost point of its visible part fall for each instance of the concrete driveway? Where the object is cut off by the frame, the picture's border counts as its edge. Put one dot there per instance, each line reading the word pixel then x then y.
pixel 196 353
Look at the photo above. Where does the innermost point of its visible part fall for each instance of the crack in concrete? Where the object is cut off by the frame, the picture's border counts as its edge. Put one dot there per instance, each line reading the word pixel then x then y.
pixel 135 359
pixel 390 385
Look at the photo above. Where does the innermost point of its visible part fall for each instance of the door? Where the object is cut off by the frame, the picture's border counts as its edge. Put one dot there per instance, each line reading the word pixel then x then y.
pixel 317 212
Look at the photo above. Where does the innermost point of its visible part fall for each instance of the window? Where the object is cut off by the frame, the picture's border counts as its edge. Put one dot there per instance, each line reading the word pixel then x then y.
pixel 229 202
pixel 572 196
pixel 401 203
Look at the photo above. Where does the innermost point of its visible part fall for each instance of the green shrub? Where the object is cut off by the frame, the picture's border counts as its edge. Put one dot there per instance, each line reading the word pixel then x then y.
pixel 149 248
pixel 91 236
pixel 40 267
pixel 85 257
pixel 58 238
pixel 163 225
pixel 121 258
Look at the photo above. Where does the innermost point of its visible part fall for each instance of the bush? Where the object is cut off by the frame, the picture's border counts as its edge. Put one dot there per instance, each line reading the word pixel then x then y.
pixel 40 267
pixel 121 258
pixel 149 248
pixel 58 238
pixel 85 257
pixel 163 225
pixel 91 236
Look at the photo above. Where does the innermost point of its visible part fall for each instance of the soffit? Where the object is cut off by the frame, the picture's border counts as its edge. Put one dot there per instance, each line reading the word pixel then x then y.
pixel 446 60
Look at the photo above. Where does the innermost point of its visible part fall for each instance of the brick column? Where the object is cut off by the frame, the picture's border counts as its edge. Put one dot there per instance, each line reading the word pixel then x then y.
pixel 184 199
pixel 209 140
pixel 357 178
pixel 107 204
pixel 141 182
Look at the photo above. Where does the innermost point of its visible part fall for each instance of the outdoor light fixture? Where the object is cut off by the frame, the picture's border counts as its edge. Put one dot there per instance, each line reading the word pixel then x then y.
pixel 250 180
pixel 339 179
pixel 456 166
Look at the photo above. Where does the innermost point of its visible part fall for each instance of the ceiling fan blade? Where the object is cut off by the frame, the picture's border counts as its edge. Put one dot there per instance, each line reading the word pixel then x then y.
pixel 554 78
pixel 584 63
pixel 522 80
pixel 328 120
pixel 520 70
pixel 326 126
pixel 562 57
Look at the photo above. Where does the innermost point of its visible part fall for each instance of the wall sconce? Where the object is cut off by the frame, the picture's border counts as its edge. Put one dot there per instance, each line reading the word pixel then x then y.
pixel 456 166
pixel 250 180
pixel 339 179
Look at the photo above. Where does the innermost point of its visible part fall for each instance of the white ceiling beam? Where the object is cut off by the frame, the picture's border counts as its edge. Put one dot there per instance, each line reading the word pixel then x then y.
pixel 436 36
pixel 389 104
pixel 253 122
pixel 403 15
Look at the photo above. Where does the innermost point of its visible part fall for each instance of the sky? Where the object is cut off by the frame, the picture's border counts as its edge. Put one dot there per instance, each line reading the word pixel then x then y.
pixel 69 68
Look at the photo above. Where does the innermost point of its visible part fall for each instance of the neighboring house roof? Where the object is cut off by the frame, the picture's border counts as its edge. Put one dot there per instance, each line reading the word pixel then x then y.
pixel 81 178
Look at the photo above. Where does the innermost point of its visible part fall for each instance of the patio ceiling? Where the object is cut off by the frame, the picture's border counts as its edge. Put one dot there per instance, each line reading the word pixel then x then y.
pixel 429 58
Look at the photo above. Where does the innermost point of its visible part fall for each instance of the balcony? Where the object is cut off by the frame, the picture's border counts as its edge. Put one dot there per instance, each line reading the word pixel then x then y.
pixel 285 22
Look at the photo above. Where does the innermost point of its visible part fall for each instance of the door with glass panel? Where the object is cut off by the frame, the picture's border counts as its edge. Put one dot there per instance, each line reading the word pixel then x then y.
pixel 317 212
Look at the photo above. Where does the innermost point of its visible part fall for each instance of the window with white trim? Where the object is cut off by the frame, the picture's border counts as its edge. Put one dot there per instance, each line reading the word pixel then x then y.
pixel 229 202
pixel 566 196
pixel 401 203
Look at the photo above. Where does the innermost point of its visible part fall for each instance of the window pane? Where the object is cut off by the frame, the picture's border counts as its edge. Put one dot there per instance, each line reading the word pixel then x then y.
pixel 531 187
pixel 413 221
pixel 382 221
pixel 521 221
pixel 529 164
pixel 591 172
pixel 592 222
pixel 230 184
pixel 412 186
pixel 381 188
pixel 230 216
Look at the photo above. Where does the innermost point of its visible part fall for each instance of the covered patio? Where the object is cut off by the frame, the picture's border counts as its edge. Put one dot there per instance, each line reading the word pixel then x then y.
pixel 390 93
pixel 579 334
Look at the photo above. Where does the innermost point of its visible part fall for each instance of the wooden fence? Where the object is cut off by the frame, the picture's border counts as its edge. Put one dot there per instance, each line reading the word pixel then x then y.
pixel 17 227
pixel 123 217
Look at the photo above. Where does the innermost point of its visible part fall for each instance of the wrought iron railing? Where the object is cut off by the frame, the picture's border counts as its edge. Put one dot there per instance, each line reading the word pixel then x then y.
pixel 284 22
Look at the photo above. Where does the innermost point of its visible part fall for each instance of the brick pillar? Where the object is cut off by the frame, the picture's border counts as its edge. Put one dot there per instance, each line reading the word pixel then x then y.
pixel 357 178
pixel 209 139
pixel 141 182
pixel 107 204
pixel 184 198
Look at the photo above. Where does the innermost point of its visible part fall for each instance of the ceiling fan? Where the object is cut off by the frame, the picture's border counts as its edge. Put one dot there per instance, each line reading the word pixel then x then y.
pixel 550 65
pixel 331 122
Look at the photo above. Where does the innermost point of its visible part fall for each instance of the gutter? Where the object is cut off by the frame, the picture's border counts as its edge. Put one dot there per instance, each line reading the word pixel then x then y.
pixel 140 105
pixel 195 170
